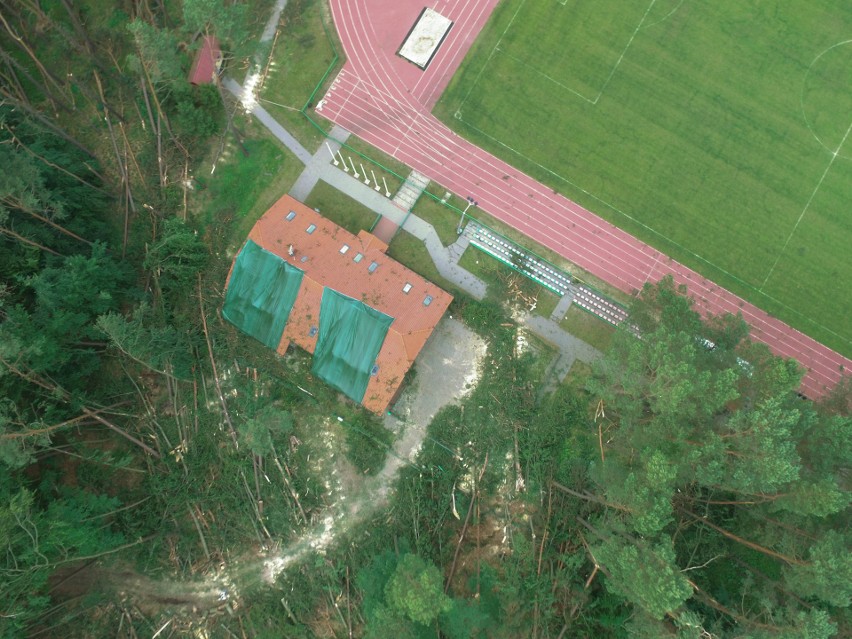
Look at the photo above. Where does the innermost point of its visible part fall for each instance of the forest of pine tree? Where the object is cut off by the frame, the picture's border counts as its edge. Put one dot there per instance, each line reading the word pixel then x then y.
pixel 154 463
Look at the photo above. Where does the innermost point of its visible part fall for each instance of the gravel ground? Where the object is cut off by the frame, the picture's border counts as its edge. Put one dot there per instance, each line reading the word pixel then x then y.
pixel 447 368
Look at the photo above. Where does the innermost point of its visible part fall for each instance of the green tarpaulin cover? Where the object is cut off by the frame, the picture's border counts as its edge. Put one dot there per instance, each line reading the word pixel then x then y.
pixel 351 335
pixel 261 294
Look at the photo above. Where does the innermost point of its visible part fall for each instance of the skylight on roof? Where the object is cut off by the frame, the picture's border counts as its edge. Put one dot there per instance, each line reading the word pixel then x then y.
pixel 374 371
pixel 406 288
pixel 427 300
pixel 311 229
pixel 358 257
pixel 344 248
pixel 313 331
pixel 373 266
pixel 304 259
pixel 291 215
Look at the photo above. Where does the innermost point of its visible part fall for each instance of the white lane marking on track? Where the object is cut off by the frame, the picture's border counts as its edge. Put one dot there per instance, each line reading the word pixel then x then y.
pixel 453 138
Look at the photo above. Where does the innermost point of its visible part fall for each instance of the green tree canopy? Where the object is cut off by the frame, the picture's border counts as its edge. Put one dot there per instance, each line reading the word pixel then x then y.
pixel 723 488
pixel 34 539
pixel 176 257
pixel 416 589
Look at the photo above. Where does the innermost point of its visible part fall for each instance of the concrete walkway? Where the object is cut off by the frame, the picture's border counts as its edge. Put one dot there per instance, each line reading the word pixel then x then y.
pixel 563 305
pixel 570 348
pixel 319 166
pixel 272 23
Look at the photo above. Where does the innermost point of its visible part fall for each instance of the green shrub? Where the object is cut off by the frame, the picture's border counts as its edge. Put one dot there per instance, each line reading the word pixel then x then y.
pixel 367 443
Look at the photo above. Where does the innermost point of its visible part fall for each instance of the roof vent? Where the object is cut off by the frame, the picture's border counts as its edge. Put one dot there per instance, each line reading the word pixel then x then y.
pixel 406 288
pixel 358 257
pixel 304 259
pixel 373 266
pixel 344 248
pixel 311 229
pixel 291 215
pixel 427 300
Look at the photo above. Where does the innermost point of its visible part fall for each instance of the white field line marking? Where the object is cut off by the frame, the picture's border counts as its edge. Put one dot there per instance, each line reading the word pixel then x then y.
pixel 592 101
pixel 443 143
pixel 614 208
pixel 653 266
pixel 802 94
pixel 807 205
pixel 665 17
pixel 547 77
pixel 621 57
pixel 493 51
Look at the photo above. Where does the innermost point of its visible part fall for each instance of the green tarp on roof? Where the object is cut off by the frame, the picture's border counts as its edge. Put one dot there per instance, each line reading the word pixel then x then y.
pixel 261 294
pixel 351 335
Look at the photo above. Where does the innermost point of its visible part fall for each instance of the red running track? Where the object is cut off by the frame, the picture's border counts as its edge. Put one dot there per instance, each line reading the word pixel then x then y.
pixel 386 101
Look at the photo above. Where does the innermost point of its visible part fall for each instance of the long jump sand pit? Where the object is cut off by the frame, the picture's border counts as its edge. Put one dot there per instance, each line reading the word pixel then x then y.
pixel 422 42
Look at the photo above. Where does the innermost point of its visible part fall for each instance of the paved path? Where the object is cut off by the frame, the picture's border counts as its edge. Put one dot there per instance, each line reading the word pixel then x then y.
pixel 272 23
pixel 319 166
pixel 570 348
pixel 386 101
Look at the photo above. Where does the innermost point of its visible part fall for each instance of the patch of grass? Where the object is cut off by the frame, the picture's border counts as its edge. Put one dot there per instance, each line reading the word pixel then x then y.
pixel 546 302
pixel 444 219
pixel 483 266
pixel 497 277
pixel 542 353
pixel 577 376
pixel 367 442
pixel 408 250
pixel 302 54
pixel 677 122
pixel 340 208
pixel 243 187
pixel 592 330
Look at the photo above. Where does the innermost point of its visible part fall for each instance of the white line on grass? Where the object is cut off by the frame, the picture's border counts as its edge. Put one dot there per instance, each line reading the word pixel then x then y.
pixel 807 206
pixel 667 16
pixel 802 94
pixel 592 101
pixel 611 207
pixel 672 242
pixel 547 77
pixel 491 55
pixel 621 57
pixel 475 82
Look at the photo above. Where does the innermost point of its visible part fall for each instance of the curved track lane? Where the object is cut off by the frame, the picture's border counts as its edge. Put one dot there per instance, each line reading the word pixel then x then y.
pixel 386 101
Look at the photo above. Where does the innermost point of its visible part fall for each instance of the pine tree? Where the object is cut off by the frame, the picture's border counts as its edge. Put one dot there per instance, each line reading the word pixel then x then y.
pixel 722 488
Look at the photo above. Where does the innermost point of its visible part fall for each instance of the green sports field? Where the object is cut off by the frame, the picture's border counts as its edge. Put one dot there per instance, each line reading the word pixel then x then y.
pixel 719 132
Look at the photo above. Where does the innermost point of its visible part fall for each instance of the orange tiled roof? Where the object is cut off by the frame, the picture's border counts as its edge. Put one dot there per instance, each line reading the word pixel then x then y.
pixel 325 261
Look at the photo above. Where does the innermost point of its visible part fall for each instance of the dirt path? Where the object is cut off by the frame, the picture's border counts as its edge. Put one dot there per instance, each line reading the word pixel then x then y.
pixel 447 369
